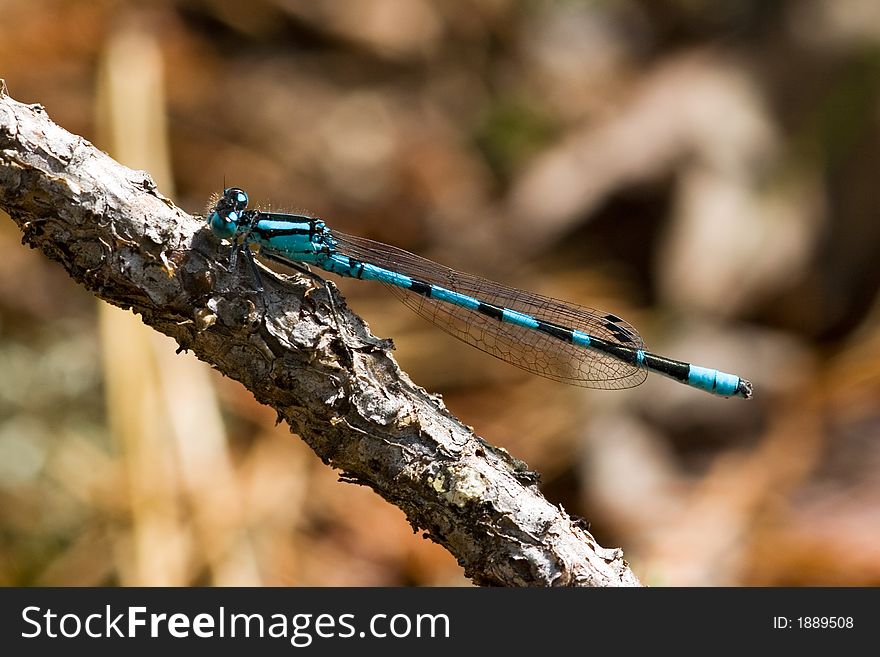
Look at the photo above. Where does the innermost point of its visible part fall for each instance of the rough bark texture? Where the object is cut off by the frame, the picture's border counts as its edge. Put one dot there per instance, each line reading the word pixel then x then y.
pixel 334 384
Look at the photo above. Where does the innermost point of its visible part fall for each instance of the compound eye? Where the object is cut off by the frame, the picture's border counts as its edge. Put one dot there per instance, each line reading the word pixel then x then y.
pixel 236 197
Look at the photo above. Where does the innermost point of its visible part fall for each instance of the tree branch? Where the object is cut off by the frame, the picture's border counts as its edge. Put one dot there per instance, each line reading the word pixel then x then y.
pixel 316 364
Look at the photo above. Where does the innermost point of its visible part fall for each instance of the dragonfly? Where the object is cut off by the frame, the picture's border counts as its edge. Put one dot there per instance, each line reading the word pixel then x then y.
pixel 561 341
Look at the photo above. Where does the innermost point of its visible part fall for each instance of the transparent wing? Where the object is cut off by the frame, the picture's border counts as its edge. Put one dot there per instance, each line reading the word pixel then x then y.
pixel 528 349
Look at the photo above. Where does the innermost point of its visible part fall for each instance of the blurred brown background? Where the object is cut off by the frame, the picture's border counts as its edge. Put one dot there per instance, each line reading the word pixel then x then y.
pixel 706 170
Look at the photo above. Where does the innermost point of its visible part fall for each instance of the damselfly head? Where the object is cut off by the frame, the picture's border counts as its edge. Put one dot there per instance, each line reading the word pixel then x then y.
pixel 224 216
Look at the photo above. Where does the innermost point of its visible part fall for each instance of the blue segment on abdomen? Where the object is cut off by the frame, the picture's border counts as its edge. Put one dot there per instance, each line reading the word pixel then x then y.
pixel 580 338
pixel 442 294
pixel 519 319
pixel 711 380
pixel 374 273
